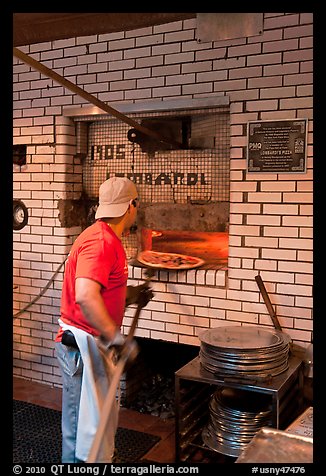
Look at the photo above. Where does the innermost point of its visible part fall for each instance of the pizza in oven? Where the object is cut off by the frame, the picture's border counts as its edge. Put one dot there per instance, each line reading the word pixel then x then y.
pixel 157 259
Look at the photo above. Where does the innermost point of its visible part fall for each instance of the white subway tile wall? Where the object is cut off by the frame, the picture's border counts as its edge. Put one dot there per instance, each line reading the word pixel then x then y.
pixel 266 77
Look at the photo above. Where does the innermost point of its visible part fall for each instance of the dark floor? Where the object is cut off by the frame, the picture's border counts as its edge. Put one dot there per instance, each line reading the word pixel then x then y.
pixel 162 452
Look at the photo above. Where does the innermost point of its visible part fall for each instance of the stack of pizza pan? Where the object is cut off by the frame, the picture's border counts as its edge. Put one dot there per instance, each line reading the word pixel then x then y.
pixel 235 417
pixel 244 352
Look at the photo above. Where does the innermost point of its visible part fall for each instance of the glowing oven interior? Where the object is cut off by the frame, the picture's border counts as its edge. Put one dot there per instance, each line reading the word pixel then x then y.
pixel 212 247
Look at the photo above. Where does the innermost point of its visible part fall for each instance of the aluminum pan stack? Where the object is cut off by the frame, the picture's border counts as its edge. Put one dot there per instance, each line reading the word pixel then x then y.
pixel 235 417
pixel 236 352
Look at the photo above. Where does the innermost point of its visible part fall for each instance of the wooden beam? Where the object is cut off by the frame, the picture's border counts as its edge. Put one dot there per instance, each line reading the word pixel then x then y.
pixel 31 28
pixel 92 99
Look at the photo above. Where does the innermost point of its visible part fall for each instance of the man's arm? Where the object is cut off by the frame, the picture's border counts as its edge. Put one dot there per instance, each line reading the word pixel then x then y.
pixel 89 298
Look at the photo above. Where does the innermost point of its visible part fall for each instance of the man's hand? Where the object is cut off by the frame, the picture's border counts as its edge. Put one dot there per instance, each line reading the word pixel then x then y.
pixel 124 347
pixel 141 294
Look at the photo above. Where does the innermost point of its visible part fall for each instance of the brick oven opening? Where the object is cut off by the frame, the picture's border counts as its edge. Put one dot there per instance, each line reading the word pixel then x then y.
pixel 148 385
pixel 184 192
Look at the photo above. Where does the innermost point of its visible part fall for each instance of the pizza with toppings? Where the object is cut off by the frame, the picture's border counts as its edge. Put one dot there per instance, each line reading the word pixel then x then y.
pixel 157 259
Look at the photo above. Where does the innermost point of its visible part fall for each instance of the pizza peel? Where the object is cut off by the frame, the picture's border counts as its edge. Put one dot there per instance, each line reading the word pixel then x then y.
pixel 111 395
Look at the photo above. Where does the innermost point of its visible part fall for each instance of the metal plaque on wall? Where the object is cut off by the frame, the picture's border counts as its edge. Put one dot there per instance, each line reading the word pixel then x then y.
pixel 277 146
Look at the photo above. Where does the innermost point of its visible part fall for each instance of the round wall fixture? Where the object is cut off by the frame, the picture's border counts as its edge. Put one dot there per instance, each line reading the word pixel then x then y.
pixel 20 215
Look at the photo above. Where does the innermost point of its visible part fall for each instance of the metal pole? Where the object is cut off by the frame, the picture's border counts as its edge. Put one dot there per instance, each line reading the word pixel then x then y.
pixel 90 98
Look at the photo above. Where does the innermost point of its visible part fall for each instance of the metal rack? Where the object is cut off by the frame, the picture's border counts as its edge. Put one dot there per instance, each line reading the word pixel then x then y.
pixel 194 387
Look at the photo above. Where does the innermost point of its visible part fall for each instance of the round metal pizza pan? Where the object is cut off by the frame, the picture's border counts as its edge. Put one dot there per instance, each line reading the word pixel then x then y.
pixel 260 375
pixel 212 443
pixel 222 444
pixel 246 353
pixel 242 401
pixel 269 367
pixel 230 360
pixel 248 370
pixel 245 366
pixel 241 427
pixel 243 338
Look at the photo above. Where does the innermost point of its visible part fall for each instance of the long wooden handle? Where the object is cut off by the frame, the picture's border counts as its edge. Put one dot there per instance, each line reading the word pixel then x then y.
pixel 111 395
pixel 90 98
pixel 150 274
pixel 268 302
pixel 106 411
pixel 134 324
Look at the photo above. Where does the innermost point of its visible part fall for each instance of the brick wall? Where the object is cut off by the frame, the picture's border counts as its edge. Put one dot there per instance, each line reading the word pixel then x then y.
pixel 266 77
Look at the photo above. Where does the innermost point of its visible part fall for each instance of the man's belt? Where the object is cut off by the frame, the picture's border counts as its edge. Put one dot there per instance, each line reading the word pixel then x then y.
pixel 68 339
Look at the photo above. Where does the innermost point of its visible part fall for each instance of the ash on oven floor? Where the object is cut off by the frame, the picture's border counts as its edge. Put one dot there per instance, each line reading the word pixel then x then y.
pixel 155 397
pixel 149 385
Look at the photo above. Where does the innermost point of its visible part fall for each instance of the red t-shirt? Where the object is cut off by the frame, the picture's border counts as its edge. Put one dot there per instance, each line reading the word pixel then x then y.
pixel 96 254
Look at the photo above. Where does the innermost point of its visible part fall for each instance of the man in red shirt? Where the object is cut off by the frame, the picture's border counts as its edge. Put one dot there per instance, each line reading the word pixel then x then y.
pixel 93 302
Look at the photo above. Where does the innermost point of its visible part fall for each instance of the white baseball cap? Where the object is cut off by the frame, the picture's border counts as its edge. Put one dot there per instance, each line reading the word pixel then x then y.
pixel 114 197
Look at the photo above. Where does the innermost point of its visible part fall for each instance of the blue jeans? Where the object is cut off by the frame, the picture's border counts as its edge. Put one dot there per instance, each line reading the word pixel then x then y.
pixel 71 366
